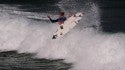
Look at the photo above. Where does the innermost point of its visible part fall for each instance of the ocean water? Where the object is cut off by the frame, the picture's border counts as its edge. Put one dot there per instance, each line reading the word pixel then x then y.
pixel 26 36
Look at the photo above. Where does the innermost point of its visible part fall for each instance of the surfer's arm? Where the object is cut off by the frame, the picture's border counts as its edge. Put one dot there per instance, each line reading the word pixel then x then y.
pixel 52 19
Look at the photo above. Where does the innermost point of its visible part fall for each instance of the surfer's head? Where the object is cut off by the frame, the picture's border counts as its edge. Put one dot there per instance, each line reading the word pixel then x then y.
pixel 61 13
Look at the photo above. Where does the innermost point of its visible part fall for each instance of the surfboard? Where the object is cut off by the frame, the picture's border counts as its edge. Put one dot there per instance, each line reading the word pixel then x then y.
pixel 68 25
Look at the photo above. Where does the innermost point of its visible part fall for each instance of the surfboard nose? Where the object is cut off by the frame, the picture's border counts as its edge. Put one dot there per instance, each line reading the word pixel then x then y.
pixel 79 14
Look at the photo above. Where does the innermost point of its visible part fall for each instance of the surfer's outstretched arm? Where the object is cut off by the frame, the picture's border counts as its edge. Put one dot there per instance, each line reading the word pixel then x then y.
pixel 53 21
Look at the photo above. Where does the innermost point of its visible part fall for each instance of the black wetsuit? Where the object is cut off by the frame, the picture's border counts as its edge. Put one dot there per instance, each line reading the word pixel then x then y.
pixel 62 19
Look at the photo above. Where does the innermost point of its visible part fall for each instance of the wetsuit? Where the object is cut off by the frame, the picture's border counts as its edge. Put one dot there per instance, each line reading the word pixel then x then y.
pixel 62 19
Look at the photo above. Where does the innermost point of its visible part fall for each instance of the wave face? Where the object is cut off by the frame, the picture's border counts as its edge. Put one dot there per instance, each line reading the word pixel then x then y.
pixel 86 46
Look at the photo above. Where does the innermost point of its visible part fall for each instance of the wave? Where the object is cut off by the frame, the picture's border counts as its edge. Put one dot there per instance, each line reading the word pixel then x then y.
pixel 86 46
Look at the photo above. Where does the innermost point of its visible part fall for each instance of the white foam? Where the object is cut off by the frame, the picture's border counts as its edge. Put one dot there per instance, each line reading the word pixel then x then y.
pixel 87 48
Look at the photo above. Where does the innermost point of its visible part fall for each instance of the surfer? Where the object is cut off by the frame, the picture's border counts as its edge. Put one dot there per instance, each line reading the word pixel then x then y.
pixel 60 19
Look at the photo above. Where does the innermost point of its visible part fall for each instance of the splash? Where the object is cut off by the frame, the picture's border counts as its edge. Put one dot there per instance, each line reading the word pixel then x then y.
pixel 86 46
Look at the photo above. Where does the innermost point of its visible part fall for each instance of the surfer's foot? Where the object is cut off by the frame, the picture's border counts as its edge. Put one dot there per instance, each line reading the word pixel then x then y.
pixel 61 27
pixel 54 36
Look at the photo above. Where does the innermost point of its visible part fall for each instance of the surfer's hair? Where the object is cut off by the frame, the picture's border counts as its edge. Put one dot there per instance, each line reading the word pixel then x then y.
pixel 62 13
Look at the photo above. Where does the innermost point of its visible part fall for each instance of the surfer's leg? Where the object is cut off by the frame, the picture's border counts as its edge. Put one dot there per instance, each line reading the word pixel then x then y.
pixel 61 27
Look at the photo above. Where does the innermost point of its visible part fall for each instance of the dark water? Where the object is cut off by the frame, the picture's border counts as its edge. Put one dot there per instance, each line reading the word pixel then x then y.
pixel 12 60
pixel 113 15
pixel 28 1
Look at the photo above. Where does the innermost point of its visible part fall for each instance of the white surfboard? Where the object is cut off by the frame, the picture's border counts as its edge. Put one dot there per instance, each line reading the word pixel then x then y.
pixel 68 24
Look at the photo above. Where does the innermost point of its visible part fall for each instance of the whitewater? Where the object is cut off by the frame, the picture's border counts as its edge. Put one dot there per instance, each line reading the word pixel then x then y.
pixel 86 45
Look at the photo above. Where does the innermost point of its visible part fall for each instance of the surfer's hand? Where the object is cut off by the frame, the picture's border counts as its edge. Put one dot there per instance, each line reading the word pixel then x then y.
pixel 48 16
